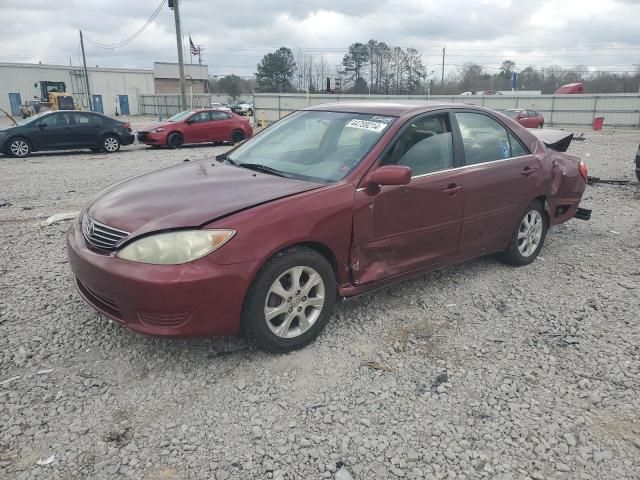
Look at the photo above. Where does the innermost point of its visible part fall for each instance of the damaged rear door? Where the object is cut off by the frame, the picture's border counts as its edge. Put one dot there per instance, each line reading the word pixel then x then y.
pixel 400 228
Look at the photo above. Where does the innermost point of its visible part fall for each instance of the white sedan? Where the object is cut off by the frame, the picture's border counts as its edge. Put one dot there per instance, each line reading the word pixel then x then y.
pixel 220 106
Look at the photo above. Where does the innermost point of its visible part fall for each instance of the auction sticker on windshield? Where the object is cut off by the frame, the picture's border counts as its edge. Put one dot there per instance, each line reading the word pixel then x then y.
pixel 367 125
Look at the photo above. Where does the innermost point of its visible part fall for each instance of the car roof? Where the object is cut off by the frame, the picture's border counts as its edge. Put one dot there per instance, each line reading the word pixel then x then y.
pixel 379 108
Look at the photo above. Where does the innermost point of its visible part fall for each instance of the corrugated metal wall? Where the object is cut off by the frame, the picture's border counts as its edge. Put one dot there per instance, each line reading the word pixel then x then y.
pixel 110 83
pixel 621 110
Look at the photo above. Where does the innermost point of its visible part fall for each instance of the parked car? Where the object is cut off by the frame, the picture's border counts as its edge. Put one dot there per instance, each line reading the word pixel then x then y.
pixel 638 164
pixel 64 130
pixel 243 107
pixel 332 201
pixel 197 126
pixel 570 88
pixel 526 118
pixel 490 92
pixel 221 106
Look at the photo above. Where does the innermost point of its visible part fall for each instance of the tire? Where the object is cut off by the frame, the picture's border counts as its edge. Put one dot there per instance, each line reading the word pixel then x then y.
pixel 528 236
pixel 298 315
pixel 19 147
pixel 541 125
pixel 236 137
pixel 174 140
pixel 110 144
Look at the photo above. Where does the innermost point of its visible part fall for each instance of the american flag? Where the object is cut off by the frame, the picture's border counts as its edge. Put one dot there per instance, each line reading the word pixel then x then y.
pixel 194 49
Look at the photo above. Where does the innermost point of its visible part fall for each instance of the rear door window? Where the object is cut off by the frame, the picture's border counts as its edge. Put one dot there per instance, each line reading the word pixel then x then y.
pixel 484 139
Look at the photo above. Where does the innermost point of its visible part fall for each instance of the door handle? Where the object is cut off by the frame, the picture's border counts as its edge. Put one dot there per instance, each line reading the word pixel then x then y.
pixel 526 171
pixel 452 189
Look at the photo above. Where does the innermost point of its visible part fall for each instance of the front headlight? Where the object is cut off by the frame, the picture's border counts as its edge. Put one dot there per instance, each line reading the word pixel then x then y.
pixel 157 130
pixel 174 248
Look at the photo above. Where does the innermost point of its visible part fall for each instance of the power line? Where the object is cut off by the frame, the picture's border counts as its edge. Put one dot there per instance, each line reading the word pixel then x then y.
pixel 131 37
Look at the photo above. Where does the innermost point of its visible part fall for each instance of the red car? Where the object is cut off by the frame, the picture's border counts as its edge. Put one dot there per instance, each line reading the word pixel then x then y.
pixel 570 89
pixel 197 126
pixel 526 118
pixel 330 202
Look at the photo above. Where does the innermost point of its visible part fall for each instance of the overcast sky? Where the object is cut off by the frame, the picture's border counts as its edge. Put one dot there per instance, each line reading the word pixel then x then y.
pixel 235 34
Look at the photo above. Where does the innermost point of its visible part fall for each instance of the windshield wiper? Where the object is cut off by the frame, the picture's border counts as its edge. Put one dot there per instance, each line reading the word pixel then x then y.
pixel 261 168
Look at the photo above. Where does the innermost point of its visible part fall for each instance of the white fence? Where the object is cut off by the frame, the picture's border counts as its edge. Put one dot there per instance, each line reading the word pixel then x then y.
pixel 621 110
pixel 168 105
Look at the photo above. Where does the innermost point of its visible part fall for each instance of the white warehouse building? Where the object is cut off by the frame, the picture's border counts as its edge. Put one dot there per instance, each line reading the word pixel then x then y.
pixel 113 90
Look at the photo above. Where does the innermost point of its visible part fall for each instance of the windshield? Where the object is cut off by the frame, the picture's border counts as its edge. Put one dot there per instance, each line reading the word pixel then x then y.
pixel 181 116
pixel 313 145
pixel 33 118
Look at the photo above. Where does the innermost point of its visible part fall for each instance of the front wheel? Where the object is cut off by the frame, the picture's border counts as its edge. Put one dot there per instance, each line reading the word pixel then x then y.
pixel 174 140
pixel 19 147
pixel 290 300
pixel 540 125
pixel 111 144
pixel 528 237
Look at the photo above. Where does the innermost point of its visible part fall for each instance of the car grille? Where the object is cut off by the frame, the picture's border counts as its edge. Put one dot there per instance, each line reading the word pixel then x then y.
pixel 101 236
pixel 142 135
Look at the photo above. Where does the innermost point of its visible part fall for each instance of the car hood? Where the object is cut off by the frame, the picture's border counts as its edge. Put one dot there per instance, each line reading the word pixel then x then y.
pixel 188 195
pixel 148 128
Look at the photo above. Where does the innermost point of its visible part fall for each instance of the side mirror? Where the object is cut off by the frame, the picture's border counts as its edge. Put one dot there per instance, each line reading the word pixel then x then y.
pixel 389 175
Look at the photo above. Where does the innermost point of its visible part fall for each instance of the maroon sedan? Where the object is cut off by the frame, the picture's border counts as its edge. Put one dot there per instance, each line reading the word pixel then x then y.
pixel 330 202
pixel 526 118
pixel 197 126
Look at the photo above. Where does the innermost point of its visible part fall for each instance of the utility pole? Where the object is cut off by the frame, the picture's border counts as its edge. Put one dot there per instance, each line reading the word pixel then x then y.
pixel 370 67
pixel 86 75
pixel 183 87
pixel 444 49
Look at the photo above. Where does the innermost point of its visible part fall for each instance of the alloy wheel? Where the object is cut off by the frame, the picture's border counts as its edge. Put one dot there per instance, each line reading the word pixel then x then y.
pixel 19 148
pixel 294 302
pixel 530 233
pixel 110 144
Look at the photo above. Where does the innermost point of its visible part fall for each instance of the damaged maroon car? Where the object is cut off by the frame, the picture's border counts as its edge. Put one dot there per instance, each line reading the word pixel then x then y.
pixel 330 202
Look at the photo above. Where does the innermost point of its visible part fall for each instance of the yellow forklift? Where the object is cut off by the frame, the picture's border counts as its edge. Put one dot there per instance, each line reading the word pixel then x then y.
pixel 53 96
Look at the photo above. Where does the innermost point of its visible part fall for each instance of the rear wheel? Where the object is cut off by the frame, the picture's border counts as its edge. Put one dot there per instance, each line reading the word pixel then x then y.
pixel 290 300
pixel 528 237
pixel 237 136
pixel 19 147
pixel 174 140
pixel 110 144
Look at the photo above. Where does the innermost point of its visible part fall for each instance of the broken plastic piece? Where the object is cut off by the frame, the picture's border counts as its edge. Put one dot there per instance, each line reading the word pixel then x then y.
pixel 343 474
pixel 59 217
pixel 47 461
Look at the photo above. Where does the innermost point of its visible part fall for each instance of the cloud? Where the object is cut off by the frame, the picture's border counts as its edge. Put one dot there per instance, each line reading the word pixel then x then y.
pixel 235 34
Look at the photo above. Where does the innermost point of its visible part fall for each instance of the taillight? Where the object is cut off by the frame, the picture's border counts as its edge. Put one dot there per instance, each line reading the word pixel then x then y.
pixel 584 171
pixel 126 125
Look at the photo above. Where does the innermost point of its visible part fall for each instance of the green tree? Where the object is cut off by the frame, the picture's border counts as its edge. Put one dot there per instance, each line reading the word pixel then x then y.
pixel 355 61
pixel 275 71
pixel 231 85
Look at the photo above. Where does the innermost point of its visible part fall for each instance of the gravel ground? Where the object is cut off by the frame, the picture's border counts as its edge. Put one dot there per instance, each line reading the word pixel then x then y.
pixel 476 371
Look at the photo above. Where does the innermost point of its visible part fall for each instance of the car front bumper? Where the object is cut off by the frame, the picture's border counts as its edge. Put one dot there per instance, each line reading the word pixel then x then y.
pixel 152 138
pixel 200 298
